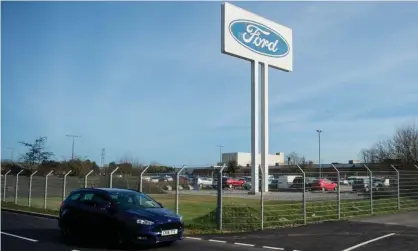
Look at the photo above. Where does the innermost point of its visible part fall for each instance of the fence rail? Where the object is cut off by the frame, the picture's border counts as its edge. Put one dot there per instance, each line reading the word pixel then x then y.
pixel 294 197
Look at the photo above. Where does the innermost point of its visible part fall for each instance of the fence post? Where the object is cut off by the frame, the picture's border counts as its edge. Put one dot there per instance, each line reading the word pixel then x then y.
pixel 398 186
pixel 370 187
pixel 111 177
pixel 17 184
pixel 86 177
pixel 5 184
pixel 64 184
pixel 338 192
pixel 219 200
pixel 30 189
pixel 303 194
pixel 141 176
pixel 177 188
pixel 46 188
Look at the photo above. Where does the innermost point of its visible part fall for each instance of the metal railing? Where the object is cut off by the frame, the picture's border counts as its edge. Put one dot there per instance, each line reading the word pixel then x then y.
pixel 213 200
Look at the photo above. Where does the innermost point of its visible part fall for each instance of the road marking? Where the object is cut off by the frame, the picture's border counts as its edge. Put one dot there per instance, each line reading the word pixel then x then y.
pixel 369 241
pixel 193 238
pixel 275 248
pixel 20 237
pixel 244 244
pixel 217 241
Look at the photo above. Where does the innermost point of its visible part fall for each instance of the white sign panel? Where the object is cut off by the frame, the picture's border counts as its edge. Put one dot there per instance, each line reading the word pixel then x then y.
pixel 249 36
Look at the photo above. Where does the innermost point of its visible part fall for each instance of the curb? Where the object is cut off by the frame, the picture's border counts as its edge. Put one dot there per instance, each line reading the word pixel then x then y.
pixel 48 216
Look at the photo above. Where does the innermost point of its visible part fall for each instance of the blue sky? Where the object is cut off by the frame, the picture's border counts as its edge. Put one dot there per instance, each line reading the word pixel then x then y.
pixel 147 80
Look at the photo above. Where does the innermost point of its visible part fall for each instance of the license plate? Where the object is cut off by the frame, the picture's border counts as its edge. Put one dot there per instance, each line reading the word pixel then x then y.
pixel 169 232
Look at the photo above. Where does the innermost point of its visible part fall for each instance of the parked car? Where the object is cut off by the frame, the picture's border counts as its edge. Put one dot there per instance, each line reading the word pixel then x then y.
pixel 204 182
pixel 119 215
pixel 228 182
pixel 298 183
pixel 363 185
pixel 155 179
pixel 273 185
pixel 286 181
pixel 323 185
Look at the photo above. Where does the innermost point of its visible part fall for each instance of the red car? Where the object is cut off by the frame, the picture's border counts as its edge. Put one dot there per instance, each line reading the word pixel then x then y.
pixel 324 185
pixel 231 182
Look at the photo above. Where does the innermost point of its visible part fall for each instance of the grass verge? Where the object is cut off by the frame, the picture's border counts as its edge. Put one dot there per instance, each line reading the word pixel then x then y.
pixel 240 214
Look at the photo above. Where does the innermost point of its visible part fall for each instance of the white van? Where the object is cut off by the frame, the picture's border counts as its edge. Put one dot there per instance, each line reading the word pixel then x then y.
pixel 285 181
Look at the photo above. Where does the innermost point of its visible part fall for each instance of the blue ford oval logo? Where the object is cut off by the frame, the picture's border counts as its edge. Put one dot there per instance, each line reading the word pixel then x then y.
pixel 259 38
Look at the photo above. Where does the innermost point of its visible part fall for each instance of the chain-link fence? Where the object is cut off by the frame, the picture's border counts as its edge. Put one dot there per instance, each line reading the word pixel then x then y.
pixel 212 198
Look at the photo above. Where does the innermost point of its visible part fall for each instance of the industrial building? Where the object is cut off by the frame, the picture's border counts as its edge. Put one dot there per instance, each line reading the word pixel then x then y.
pixel 244 159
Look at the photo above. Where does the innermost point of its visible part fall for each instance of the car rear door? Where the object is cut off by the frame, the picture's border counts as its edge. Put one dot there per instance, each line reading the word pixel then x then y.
pixel 86 212
pixel 100 214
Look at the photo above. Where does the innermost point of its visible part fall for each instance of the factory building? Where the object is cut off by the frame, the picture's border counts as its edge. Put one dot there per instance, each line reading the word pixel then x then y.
pixel 244 159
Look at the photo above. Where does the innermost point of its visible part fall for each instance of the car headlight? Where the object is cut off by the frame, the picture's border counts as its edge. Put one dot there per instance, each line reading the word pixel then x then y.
pixel 144 222
pixel 180 217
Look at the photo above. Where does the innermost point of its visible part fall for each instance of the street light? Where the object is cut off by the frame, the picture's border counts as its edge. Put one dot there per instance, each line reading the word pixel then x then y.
pixel 220 153
pixel 73 136
pixel 319 152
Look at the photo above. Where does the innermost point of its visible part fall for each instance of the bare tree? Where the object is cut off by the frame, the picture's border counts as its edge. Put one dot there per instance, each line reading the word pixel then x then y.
pixel 294 158
pixel 403 146
pixel 36 153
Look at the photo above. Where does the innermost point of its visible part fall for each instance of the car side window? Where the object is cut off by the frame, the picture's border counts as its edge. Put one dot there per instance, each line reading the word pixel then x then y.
pixel 87 198
pixel 74 196
pixel 99 199
pixel 92 198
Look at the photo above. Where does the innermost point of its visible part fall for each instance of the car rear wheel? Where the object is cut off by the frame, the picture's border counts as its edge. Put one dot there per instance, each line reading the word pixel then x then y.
pixel 67 234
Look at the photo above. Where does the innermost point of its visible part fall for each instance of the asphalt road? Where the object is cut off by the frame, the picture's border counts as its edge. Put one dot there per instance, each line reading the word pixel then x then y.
pixel 384 233
pixel 23 232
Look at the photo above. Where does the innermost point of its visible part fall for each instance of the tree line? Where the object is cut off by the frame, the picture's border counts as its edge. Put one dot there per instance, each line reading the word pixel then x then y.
pixel 36 158
pixel 402 147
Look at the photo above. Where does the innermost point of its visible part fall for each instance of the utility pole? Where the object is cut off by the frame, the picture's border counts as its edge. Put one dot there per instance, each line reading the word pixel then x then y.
pixel 103 157
pixel 319 152
pixel 220 153
pixel 11 152
pixel 72 136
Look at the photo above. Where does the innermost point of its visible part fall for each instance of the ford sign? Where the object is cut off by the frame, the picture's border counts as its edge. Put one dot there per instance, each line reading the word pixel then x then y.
pixel 259 38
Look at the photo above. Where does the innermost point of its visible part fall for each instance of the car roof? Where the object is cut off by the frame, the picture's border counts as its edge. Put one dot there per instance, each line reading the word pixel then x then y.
pixel 105 189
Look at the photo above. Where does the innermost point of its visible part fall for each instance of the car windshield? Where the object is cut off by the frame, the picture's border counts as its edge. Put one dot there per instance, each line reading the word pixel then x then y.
pixel 133 200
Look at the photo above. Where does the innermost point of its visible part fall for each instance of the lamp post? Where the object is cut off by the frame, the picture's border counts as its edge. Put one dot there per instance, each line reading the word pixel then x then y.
pixel 72 136
pixel 220 153
pixel 319 152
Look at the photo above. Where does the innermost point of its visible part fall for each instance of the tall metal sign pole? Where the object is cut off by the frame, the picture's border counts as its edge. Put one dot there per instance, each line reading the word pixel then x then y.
pixel 251 37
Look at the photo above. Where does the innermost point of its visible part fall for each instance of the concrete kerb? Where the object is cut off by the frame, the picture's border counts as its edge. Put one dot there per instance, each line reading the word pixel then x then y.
pixel 48 216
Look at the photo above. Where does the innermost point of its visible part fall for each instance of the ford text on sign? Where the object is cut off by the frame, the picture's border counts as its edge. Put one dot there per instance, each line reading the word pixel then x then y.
pixel 249 36
pixel 259 38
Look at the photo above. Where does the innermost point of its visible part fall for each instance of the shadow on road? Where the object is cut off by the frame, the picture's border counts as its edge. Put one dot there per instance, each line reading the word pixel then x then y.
pixel 48 235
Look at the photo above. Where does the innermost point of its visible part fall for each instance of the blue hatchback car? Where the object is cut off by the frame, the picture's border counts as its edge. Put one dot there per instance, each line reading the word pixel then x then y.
pixel 119 215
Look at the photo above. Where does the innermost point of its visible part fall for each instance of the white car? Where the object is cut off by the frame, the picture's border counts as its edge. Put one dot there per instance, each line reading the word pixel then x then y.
pixel 204 182
pixel 155 179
